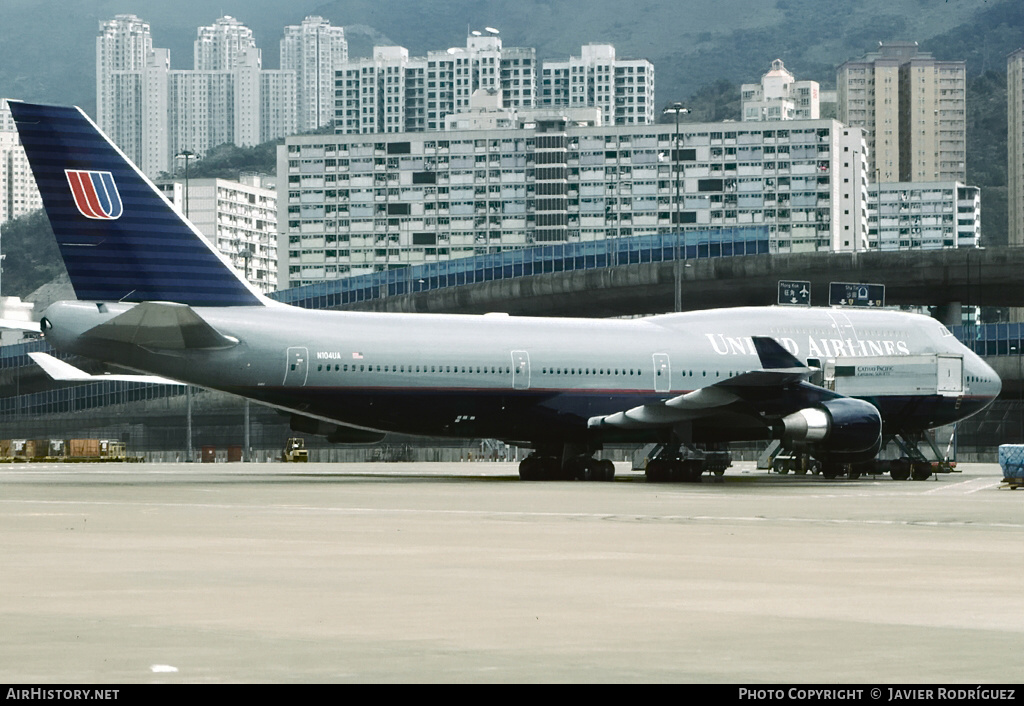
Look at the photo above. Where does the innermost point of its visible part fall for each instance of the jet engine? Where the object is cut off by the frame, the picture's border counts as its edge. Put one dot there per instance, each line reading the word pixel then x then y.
pixel 843 429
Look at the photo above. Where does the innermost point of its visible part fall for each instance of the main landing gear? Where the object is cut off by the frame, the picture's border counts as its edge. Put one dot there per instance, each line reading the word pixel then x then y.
pixel 674 463
pixel 573 464
pixel 913 462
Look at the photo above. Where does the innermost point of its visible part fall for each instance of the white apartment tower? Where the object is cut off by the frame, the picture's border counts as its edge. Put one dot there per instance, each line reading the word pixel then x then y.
pixel 222 45
pixel 914 108
pixel 852 182
pixel 153 113
pixel 622 88
pixel 123 48
pixel 393 92
pixel 780 96
pixel 1015 144
pixel 18 191
pixel 314 50
pixel 372 95
pixel 238 217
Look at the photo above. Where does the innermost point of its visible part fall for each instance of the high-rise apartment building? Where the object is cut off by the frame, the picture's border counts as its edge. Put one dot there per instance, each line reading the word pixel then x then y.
pixel 924 215
pixel 153 113
pixel 352 204
pixel 780 96
pixel 239 218
pixel 393 92
pixel 18 191
pixel 222 45
pixel 1015 144
pixel 314 50
pixel 852 199
pixel 914 108
pixel 622 88
pixel 382 93
pixel 124 48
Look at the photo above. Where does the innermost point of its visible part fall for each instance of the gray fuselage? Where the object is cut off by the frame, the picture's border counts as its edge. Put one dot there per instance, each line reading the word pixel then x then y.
pixel 519 378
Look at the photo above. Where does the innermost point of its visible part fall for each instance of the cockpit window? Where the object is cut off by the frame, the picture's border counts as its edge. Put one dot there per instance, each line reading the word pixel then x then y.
pixel 945 331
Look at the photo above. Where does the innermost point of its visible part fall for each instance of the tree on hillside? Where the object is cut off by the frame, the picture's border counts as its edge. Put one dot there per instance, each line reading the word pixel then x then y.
pixel 712 103
pixel 31 258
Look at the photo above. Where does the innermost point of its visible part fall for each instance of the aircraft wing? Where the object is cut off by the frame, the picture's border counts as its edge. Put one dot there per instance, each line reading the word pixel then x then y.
pixel 65 372
pixel 162 326
pixel 779 369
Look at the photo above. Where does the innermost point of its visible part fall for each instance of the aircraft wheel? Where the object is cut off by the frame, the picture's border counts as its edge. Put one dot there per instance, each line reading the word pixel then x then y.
pixel 677 471
pixel 831 470
pixel 535 468
pixel 921 471
pixel 900 470
pixel 530 469
pixel 693 471
pixel 579 468
pixel 658 471
pixel 606 470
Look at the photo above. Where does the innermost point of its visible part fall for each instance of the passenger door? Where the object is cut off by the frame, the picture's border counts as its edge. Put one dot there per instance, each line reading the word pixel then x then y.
pixel 520 370
pixel 662 373
pixel 950 375
pixel 296 367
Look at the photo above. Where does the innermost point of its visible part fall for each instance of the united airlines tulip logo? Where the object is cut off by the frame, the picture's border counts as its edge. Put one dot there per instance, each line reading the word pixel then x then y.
pixel 95 194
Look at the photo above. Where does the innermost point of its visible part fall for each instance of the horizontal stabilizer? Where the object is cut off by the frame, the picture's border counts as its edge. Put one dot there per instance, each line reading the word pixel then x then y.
pixel 162 326
pixel 65 372
pixel 16 325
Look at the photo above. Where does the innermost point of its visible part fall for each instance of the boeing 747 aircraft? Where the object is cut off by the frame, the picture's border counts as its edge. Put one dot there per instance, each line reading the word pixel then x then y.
pixel 155 297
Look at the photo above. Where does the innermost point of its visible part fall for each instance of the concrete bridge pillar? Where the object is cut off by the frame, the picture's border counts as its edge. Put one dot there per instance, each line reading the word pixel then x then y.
pixel 949 314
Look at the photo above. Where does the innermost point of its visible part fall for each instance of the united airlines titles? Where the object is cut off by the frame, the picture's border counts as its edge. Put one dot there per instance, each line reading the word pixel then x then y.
pixel 816 347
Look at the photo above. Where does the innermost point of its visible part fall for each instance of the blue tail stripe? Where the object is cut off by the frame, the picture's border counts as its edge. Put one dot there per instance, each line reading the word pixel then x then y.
pixel 143 249
pixel 106 192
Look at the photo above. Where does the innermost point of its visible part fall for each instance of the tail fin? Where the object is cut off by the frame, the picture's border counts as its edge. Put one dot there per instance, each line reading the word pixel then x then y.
pixel 121 240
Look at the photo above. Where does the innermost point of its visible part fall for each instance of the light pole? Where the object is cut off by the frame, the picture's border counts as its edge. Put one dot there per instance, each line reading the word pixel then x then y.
pixel 187 154
pixel 677 154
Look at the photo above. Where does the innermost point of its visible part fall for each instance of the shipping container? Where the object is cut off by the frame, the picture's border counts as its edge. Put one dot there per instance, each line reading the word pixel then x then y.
pixel 84 448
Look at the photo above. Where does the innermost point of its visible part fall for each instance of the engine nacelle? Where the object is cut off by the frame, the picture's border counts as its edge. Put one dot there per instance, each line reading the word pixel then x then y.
pixel 843 428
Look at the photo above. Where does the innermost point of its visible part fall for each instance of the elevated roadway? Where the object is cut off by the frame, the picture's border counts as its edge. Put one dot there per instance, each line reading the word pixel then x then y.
pixel 987 277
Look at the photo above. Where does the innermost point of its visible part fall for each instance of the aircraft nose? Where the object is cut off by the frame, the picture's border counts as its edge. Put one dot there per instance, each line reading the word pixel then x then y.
pixel 997 382
pixel 987 380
